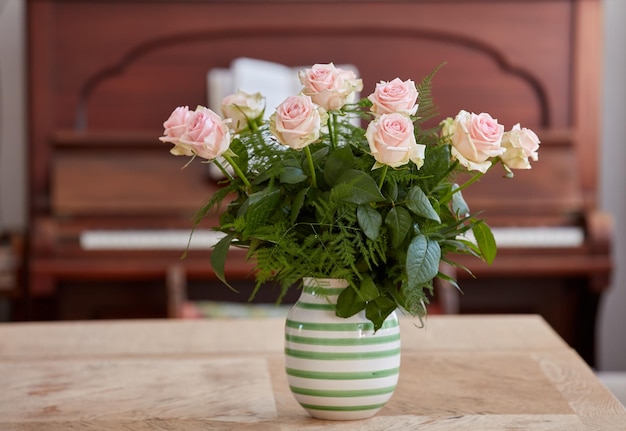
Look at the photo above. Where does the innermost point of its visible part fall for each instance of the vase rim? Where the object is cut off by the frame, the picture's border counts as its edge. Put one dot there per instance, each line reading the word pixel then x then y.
pixel 320 282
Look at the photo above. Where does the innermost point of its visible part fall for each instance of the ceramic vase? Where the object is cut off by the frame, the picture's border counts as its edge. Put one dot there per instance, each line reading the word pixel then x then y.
pixel 338 368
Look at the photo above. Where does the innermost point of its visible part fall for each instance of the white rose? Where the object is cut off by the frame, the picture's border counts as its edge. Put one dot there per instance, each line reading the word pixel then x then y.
pixel 520 144
pixel 243 108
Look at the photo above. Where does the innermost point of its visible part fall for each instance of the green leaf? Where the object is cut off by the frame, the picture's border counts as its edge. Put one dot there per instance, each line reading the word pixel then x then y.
pixel 427 108
pixel 241 152
pixel 319 155
pixel 364 188
pixel 418 202
pixel 297 203
pixel 378 310
pixel 459 206
pixel 292 175
pixel 422 260
pixel 260 207
pixel 369 220
pixel 436 163
pixel 349 303
pixel 485 241
pixel 218 258
pixel 399 221
pixel 368 289
pixel 339 161
pixel 449 279
pixel 390 189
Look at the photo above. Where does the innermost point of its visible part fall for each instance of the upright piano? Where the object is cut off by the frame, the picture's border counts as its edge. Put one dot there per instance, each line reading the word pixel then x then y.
pixel 110 210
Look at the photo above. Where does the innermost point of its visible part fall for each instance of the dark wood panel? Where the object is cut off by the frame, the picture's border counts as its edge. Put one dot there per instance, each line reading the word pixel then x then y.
pixel 504 58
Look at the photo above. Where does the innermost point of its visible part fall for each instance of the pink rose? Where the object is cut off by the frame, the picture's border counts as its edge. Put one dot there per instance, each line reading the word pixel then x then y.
pixel 394 96
pixel 392 142
pixel 297 122
pixel 520 144
pixel 175 126
pixel 475 139
pixel 243 108
pixel 206 134
pixel 329 87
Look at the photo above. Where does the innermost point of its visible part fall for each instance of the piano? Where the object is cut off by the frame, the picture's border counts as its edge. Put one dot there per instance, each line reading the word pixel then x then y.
pixel 110 211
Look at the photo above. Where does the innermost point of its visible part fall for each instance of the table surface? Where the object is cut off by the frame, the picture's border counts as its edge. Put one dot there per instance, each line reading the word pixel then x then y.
pixel 458 373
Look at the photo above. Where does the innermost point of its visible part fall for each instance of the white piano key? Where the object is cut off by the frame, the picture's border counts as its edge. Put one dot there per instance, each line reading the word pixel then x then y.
pixel 204 239
pixel 536 237
pixel 149 239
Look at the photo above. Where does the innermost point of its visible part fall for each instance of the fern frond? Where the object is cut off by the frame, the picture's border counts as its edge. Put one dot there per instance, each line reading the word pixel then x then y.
pixel 427 109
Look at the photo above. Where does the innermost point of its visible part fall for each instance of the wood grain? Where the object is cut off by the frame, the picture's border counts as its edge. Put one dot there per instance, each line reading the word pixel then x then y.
pixel 459 372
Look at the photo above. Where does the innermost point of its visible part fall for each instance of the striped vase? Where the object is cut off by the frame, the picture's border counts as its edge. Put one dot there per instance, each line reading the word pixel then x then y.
pixel 337 368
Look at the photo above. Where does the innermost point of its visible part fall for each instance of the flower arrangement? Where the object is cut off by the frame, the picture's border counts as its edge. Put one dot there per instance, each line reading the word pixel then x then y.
pixel 311 193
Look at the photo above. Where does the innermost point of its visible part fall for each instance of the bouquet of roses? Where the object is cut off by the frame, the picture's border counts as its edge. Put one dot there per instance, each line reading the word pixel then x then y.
pixel 310 192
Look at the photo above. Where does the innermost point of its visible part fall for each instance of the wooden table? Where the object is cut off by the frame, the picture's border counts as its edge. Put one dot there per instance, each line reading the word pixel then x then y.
pixel 458 373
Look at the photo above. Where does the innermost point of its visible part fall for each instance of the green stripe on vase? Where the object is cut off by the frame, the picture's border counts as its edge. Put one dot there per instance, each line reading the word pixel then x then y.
pixel 354 375
pixel 342 393
pixel 333 356
pixel 359 341
pixel 342 408
pixel 315 306
pixel 323 291
pixel 361 326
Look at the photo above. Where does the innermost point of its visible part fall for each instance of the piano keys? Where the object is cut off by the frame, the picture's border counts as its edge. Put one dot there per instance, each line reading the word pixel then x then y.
pixel 148 239
pixel 205 239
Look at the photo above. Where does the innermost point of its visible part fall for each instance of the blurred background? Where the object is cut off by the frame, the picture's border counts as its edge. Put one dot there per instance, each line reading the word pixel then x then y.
pixel 611 338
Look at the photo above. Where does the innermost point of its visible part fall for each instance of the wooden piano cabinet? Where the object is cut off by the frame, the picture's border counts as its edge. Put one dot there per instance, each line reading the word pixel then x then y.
pixel 103 75
pixel 12 288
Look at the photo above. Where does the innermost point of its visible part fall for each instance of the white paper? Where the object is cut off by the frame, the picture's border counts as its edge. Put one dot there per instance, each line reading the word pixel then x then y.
pixel 274 81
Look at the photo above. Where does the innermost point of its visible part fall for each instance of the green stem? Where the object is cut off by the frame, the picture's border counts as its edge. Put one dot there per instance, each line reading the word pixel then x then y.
pixel 332 129
pixel 253 124
pixel 469 182
pixel 238 171
pixel 309 157
pixel 382 177
pixel 224 170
